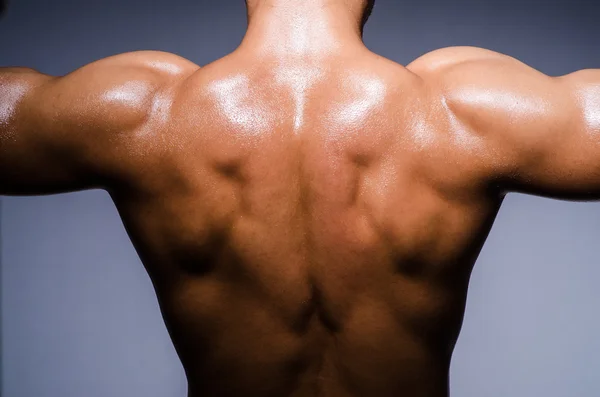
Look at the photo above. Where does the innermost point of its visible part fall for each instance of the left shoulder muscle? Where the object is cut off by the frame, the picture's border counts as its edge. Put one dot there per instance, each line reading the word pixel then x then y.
pixel 72 132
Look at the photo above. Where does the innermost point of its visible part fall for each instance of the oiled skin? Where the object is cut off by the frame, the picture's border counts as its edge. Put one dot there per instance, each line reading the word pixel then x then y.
pixel 309 223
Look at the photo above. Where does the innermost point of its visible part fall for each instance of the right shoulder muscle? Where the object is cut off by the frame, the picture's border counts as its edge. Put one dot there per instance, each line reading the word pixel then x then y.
pixel 533 132
pixel 442 59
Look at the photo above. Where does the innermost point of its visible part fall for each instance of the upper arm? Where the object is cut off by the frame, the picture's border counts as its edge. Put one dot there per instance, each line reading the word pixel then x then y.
pixel 75 132
pixel 532 133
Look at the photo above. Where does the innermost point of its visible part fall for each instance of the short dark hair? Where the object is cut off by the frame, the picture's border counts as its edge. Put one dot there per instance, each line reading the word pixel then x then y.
pixel 368 11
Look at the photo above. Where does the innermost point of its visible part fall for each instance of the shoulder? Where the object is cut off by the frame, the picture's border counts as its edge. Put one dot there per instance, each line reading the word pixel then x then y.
pixel 117 91
pixel 478 83
pixel 496 101
pixel 476 79
pixel 141 71
pixel 443 59
pixel 159 62
pixel 454 70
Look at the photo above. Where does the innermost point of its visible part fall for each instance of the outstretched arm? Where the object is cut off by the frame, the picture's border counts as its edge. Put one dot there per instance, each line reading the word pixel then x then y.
pixel 538 134
pixel 60 134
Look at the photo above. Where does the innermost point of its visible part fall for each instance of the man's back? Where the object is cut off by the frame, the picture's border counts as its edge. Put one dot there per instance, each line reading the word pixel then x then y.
pixel 309 221
pixel 303 230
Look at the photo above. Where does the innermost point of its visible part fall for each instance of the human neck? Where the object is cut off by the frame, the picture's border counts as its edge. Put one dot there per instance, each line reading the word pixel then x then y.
pixel 301 27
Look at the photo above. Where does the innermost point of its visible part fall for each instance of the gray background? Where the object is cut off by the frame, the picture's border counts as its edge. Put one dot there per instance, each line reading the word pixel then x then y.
pixel 79 317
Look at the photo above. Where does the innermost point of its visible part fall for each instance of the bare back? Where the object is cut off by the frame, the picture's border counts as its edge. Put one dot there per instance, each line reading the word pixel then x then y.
pixel 309 228
pixel 309 224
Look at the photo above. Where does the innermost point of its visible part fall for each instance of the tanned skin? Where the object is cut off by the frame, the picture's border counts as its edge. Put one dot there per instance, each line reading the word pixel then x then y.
pixel 309 212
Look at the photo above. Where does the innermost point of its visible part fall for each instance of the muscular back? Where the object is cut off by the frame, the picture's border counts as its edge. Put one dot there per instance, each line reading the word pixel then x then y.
pixel 309 225
pixel 304 230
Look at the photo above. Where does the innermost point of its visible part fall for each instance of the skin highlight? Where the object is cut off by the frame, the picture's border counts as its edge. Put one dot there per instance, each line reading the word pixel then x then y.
pixel 309 212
